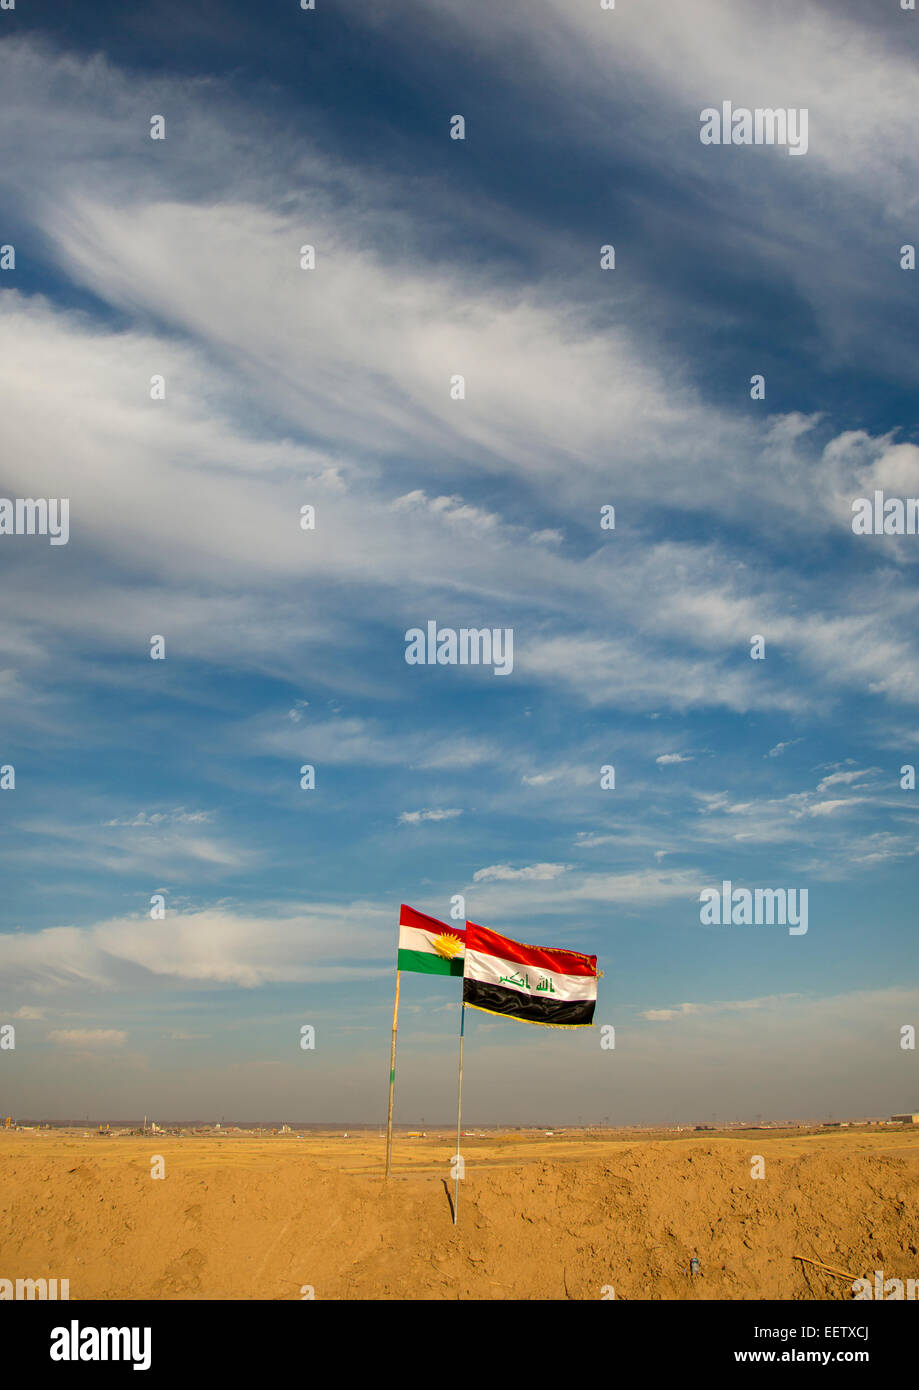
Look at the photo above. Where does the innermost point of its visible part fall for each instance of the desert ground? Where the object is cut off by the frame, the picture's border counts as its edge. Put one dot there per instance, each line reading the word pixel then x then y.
pixel 540 1217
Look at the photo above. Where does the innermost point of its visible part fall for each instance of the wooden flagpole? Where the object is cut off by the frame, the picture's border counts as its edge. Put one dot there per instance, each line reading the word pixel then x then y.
pixel 459 1116
pixel 392 1075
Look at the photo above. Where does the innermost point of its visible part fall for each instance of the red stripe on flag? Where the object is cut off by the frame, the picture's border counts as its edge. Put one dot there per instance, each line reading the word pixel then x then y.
pixel 408 917
pixel 540 957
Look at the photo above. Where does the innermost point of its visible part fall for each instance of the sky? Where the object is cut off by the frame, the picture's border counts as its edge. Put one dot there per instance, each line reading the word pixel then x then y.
pixel 334 387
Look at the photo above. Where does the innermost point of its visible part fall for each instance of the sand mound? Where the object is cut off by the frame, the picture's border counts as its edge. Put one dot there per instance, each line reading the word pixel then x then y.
pixel 263 1220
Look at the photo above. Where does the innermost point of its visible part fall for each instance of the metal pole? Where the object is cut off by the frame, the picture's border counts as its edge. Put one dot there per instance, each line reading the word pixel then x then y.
pixel 392 1076
pixel 459 1117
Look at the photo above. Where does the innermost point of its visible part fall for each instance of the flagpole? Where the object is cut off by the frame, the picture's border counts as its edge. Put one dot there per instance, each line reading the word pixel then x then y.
pixel 392 1075
pixel 459 1116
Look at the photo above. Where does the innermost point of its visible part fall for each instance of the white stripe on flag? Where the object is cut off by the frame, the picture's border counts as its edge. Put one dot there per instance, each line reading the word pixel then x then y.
pixel 415 939
pixel 509 974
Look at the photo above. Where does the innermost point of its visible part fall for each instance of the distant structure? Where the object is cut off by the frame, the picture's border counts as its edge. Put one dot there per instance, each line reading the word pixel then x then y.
pixel 904 1119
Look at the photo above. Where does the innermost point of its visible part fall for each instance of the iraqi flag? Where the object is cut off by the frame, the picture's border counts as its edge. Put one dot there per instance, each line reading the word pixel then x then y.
pixel 529 983
pixel 428 946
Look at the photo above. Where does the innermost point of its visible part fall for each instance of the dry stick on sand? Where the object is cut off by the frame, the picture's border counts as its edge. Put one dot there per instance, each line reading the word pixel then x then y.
pixel 840 1273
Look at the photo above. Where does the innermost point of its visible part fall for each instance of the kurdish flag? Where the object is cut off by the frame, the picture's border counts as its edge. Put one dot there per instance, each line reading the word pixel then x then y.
pixel 529 983
pixel 428 946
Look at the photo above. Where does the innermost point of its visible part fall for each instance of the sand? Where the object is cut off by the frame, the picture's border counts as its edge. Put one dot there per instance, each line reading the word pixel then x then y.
pixel 539 1218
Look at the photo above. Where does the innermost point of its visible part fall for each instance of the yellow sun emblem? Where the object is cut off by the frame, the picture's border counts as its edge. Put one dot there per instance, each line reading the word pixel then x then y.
pixel 447 945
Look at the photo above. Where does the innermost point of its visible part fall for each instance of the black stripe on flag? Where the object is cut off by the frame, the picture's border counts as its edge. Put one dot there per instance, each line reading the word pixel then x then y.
pixel 560 1013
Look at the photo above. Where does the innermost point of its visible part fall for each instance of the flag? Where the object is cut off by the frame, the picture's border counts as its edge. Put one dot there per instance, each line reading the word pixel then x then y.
pixel 428 946
pixel 529 983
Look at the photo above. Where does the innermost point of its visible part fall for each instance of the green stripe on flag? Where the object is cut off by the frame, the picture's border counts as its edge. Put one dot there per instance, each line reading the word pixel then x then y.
pixel 426 964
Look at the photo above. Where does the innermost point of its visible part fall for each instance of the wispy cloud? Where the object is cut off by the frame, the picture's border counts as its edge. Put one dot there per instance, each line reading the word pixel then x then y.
pixel 88 1037
pixel 504 873
pixel 215 946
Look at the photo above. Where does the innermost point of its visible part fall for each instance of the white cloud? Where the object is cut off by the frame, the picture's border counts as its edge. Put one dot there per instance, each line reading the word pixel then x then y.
pixel 145 819
pixel 214 946
pixel 779 748
pixel 828 808
pixel 591 76
pixel 353 739
pixel 835 779
pixel 138 844
pixel 88 1037
pixel 499 897
pixel 530 872
pixel 766 1002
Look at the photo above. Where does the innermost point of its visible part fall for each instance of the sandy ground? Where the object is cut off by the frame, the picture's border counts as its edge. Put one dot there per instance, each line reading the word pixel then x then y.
pixel 539 1218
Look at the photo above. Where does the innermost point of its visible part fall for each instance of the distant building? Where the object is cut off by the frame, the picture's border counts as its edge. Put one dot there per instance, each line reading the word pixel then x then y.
pixel 904 1119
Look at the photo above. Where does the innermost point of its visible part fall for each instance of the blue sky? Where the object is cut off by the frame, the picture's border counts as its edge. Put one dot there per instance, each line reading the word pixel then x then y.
pixel 331 387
